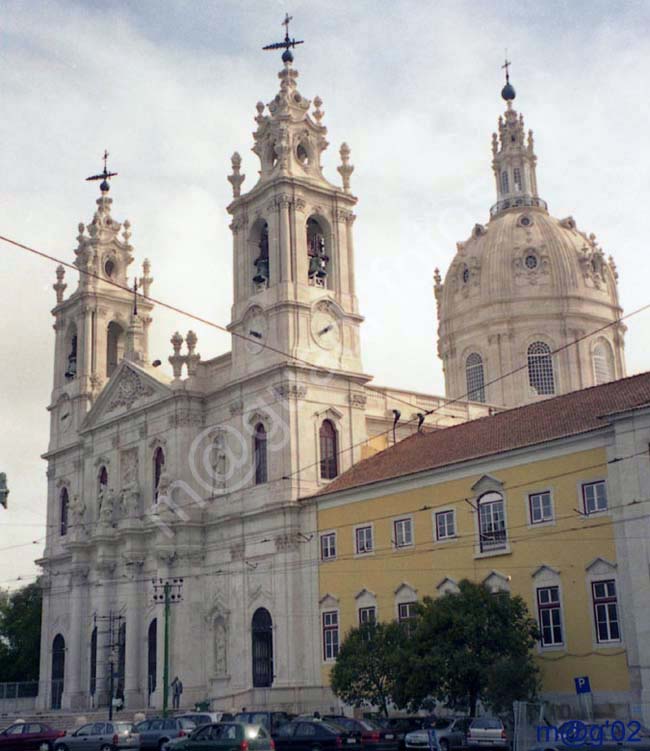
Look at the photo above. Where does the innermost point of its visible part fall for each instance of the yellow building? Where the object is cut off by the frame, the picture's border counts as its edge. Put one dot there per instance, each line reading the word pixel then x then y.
pixel 534 501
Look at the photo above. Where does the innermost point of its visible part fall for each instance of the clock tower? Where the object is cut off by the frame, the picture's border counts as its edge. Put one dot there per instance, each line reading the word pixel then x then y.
pixel 294 285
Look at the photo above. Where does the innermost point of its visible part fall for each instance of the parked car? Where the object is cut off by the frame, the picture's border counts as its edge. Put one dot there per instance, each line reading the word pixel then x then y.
pixel 488 731
pixel 270 720
pixel 205 718
pixel 224 736
pixel 100 736
pixel 451 733
pixel 29 736
pixel 401 726
pixel 370 734
pixel 156 732
pixel 314 735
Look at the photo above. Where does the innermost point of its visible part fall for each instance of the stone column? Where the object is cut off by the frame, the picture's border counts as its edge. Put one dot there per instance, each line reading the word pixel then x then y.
pixel 76 641
pixel 134 683
pixel 285 239
pixel 87 348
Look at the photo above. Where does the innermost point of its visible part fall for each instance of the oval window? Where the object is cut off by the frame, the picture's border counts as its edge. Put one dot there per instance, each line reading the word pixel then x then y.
pixel 109 268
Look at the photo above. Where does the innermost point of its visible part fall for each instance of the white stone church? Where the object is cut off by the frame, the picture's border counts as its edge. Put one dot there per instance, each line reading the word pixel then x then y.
pixel 199 477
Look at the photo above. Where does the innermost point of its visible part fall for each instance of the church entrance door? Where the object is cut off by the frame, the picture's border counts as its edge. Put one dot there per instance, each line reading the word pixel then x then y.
pixel 262 631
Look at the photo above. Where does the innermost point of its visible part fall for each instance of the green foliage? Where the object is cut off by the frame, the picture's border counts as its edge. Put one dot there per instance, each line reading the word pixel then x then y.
pixel 469 645
pixel 365 670
pixel 20 633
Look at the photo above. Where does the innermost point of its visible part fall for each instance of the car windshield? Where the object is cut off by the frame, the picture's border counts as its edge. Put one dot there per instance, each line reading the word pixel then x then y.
pixel 331 727
pixel 123 727
pixel 487 723
pixel 441 724
pixel 369 725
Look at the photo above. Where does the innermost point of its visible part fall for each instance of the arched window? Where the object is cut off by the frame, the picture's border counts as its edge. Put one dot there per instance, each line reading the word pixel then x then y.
pixel 492 521
pixel 58 671
pixel 603 362
pixel 71 348
pixel 505 183
pixel 261 262
pixel 152 656
pixel 93 662
pixel 114 347
pixel 516 174
pixel 317 252
pixel 64 505
pixel 121 661
pixel 262 634
pixel 540 369
pixel 259 453
pixel 328 451
pixel 475 378
pixel 102 478
pixel 158 464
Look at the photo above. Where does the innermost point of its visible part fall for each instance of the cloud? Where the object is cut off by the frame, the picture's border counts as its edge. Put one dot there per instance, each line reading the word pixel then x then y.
pixel 413 87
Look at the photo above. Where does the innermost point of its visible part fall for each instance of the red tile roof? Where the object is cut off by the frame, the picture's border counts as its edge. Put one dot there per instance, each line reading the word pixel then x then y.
pixel 571 414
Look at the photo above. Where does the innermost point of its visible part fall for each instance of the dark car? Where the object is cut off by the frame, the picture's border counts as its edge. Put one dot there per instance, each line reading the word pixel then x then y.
pixel 272 721
pixel 370 734
pixel 401 726
pixel 315 735
pixel 100 736
pixel 224 736
pixel 29 736
pixel 156 732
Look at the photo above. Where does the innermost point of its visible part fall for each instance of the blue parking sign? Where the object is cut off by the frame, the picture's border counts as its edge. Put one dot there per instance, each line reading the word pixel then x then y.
pixel 582 685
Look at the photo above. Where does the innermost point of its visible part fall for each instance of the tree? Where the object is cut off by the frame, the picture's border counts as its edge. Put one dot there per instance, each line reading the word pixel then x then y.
pixel 20 633
pixel 469 645
pixel 365 669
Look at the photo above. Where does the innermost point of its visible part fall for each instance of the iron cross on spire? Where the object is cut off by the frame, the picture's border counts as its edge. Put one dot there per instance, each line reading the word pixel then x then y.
pixel 506 67
pixel 287 55
pixel 104 176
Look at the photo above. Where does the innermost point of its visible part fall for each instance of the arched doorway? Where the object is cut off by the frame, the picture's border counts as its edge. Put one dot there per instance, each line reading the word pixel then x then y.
pixel 152 657
pixel 262 632
pixel 93 663
pixel 58 670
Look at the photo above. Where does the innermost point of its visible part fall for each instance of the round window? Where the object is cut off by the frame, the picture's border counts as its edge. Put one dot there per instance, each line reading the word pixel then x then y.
pixel 109 268
pixel 531 261
pixel 525 221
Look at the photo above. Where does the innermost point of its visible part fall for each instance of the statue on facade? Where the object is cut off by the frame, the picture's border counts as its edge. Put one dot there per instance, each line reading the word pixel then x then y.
pixel 220 648
pixel 106 506
pixel 77 510
pixel 130 501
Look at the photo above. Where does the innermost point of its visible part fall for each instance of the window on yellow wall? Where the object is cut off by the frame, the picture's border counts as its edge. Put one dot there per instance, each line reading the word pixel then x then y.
pixel 606 611
pixel 367 615
pixel 363 540
pixel 550 616
pixel 445 525
pixel 330 635
pixel 328 546
pixel 594 497
pixel 403 533
pixel 541 507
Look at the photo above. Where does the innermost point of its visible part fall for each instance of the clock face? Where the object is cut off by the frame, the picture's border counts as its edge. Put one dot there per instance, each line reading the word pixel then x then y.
pixel 255 330
pixel 326 329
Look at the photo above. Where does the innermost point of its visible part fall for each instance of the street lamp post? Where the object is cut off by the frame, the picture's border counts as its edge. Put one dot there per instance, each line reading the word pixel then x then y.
pixel 166 592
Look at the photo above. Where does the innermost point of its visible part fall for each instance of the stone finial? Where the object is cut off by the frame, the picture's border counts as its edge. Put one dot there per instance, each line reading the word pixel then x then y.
pixel 177 360
pixel 531 141
pixel 318 113
pixel 126 232
pixel 146 279
pixel 259 118
pixel 236 179
pixel 60 285
pixel 345 169
pixel 192 358
pixel 495 144
pixel 612 266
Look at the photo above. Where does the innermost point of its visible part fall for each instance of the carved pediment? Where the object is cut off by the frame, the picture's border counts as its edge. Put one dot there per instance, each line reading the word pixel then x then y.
pixel 129 388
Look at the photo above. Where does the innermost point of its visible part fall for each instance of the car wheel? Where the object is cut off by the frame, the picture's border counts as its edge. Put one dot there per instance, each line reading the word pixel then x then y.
pixel 444 744
pixel 162 742
pixel 61 747
pixel 45 746
pixel 106 747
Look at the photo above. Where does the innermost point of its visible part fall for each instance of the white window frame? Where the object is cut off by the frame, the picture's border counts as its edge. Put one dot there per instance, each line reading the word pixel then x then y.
pixel 529 503
pixel 556 605
pixel 583 499
pixel 323 535
pixel 439 512
pixel 367 551
pixel 367 610
pixel 403 520
pixel 498 549
pixel 400 605
pixel 592 584
pixel 328 655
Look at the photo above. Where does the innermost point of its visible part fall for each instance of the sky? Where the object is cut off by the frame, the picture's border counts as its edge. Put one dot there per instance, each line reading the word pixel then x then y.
pixel 170 87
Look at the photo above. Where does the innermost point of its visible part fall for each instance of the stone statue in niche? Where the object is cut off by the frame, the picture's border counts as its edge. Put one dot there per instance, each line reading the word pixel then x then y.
pixel 220 647
pixel 77 511
pixel 106 506
pixel 130 501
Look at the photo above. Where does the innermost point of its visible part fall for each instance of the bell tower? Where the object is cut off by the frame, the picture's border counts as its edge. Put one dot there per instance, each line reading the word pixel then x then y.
pixel 292 240
pixel 102 321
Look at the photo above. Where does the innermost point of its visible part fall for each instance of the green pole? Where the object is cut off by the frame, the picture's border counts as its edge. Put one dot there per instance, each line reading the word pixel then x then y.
pixel 167 589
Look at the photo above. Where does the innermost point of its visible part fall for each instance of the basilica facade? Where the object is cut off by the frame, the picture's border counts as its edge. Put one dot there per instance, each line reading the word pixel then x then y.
pixel 195 480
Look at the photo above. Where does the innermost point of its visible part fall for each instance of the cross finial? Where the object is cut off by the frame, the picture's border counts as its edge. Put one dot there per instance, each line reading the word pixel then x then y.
pixel 135 297
pixel 506 67
pixel 287 55
pixel 104 176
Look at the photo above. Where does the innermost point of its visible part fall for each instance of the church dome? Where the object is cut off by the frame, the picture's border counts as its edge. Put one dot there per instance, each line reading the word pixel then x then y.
pixel 522 289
